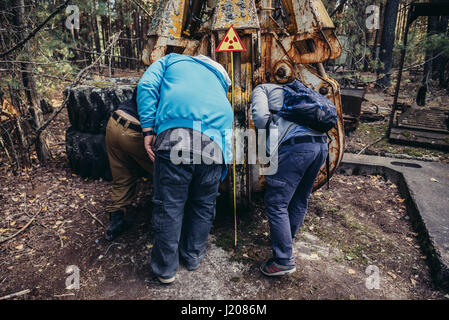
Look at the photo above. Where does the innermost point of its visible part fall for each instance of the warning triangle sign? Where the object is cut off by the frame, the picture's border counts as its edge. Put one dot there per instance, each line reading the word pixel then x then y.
pixel 231 42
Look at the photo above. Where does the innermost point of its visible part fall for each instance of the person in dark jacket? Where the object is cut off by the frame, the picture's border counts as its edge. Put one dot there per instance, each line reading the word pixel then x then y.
pixel 300 153
pixel 127 159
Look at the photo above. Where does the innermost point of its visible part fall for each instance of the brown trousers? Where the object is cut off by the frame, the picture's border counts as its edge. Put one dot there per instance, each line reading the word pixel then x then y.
pixel 127 158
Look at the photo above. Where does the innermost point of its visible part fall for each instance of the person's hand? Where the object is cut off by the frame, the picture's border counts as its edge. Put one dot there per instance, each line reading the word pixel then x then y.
pixel 148 143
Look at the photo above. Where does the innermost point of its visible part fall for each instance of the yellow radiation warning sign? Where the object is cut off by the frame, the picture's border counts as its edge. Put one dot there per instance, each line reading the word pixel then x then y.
pixel 231 42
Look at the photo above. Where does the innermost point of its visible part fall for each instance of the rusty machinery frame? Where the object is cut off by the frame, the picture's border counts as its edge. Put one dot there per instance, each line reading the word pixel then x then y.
pixel 416 10
pixel 285 39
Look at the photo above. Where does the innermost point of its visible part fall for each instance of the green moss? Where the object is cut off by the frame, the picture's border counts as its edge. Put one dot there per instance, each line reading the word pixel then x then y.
pixel 101 84
pixel 225 240
pixel 407 134
pixel 414 152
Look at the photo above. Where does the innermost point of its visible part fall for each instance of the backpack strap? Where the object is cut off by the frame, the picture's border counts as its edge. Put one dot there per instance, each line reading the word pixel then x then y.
pixel 329 141
pixel 272 118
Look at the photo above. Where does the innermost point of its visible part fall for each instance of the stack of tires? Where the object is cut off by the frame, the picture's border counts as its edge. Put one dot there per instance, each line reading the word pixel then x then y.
pixel 89 107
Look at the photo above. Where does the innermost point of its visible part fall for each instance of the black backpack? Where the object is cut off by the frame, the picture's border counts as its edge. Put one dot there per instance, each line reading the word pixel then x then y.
pixel 307 107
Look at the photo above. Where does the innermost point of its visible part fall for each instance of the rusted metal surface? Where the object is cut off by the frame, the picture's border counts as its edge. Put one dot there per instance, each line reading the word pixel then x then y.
pixel 280 48
pixel 352 99
pixel 428 127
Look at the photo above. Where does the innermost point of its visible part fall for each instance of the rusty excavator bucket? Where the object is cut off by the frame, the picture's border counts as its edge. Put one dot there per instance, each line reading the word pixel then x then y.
pixel 285 39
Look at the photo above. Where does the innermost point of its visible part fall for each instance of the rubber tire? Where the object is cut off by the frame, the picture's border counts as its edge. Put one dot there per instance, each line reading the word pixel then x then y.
pixel 87 154
pixel 89 107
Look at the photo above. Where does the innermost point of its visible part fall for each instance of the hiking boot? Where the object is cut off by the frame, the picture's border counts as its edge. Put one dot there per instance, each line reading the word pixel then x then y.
pixel 117 225
pixel 166 280
pixel 273 269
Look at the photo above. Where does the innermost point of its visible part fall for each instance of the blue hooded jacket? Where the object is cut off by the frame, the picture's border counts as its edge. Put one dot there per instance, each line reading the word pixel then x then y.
pixel 179 91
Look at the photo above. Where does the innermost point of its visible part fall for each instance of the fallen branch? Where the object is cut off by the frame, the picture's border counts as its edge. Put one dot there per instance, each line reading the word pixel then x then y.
pixel 21 230
pixel 372 144
pixel 339 8
pixel 142 8
pixel 95 217
pixel 393 72
pixel 112 244
pixel 64 295
pixel 109 55
pixel 17 294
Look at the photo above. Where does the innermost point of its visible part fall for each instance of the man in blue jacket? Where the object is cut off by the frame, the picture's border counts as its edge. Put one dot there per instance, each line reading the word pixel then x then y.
pixel 186 120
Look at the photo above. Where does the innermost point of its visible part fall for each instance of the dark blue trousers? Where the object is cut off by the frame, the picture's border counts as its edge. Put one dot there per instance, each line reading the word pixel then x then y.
pixel 287 194
pixel 184 208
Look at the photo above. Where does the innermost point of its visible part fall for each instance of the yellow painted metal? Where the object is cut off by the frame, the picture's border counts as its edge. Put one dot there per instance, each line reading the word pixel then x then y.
pixel 169 19
pixel 241 14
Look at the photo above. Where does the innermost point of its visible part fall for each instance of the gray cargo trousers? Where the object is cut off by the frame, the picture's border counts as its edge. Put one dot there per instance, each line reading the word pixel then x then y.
pixel 184 208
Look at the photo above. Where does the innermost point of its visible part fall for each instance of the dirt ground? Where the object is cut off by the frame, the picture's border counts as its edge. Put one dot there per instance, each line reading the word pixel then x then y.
pixel 359 225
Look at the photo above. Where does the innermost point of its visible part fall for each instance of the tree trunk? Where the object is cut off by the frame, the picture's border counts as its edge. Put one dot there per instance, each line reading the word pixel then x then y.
pixel 105 31
pixel 111 62
pixel 387 42
pixel 95 30
pixel 42 147
pixel 121 41
pixel 442 60
pixel 23 143
pixel 138 48
pixel 377 40
pixel 432 66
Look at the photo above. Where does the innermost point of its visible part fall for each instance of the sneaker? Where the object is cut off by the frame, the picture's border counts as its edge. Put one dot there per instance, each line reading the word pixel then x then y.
pixel 166 280
pixel 273 269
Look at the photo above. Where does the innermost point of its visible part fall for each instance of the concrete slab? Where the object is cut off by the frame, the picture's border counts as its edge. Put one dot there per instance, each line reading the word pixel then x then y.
pixel 425 186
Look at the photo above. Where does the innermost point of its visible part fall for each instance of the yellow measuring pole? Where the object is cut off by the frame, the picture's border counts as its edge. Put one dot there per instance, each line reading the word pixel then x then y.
pixel 231 43
pixel 233 149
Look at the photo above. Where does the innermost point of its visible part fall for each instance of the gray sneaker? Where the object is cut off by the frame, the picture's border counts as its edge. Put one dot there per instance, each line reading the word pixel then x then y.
pixel 273 269
pixel 166 280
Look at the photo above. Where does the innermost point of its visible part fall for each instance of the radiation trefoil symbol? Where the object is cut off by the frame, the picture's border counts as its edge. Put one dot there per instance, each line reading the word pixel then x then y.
pixel 230 42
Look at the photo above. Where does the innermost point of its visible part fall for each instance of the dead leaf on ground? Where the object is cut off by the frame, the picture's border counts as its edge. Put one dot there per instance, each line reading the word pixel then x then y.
pixel 351 271
pixel 391 274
